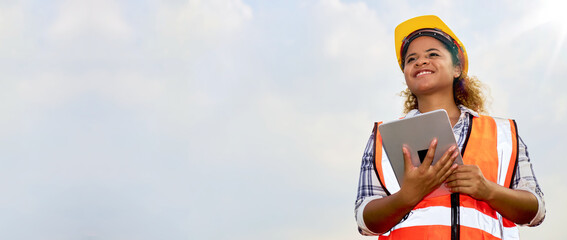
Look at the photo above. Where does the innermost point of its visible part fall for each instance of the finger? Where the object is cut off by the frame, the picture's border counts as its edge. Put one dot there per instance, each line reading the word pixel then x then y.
pixel 451 184
pixel 430 153
pixel 468 168
pixel 452 177
pixel 407 158
pixel 454 183
pixel 461 189
pixel 453 189
pixel 461 183
pixel 445 167
pixel 452 159
pixel 457 175
pixel 447 159
pixel 448 173
pixel 462 176
pixel 454 155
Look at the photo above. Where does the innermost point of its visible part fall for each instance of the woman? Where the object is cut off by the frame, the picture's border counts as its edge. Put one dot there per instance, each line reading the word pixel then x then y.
pixel 492 192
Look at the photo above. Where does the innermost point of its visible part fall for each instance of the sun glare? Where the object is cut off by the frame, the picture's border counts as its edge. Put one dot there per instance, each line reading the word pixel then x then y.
pixel 552 12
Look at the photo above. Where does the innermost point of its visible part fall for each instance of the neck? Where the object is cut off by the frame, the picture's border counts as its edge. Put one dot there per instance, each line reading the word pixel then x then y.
pixel 429 104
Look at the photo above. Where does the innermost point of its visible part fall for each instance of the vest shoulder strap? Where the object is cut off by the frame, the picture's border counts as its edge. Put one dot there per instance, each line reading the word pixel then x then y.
pixel 493 142
pixel 378 155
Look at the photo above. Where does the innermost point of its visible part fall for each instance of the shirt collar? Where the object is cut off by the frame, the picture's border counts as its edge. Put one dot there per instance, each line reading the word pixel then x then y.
pixel 464 111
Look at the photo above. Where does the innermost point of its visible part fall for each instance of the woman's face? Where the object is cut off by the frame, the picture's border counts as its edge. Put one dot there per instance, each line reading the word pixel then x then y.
pixel 429 68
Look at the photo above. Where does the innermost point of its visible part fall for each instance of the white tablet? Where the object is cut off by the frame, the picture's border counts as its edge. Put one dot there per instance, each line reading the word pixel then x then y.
pixel 417 133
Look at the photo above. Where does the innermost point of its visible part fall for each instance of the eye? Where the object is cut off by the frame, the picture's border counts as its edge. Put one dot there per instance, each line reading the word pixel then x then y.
pixel 410 59
pixel 433 54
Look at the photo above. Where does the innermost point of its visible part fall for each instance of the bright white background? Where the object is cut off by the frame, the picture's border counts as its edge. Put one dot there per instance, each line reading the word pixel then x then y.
pixel 239 119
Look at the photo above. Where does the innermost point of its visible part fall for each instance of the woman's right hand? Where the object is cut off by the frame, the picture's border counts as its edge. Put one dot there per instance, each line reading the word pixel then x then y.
pixel 381 214
pixel 422 180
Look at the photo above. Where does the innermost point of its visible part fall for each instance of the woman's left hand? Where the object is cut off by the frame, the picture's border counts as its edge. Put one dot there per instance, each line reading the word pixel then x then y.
pixel 468 179
pixel 520 206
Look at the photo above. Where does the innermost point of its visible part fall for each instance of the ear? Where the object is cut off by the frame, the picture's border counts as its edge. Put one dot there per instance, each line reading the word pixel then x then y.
pixel 457 71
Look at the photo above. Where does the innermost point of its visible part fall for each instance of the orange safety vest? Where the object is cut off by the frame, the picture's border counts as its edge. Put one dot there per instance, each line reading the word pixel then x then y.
pixel 491 144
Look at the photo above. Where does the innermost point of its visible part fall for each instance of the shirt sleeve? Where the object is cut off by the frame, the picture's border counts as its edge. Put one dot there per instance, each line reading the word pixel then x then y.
pixel 369 188
pixel 524 179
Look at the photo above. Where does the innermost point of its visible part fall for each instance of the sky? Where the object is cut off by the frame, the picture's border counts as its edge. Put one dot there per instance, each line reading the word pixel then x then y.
pixel 241 119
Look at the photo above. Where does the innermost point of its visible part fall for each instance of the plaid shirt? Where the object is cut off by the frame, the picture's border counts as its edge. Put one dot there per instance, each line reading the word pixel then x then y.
pixel 369 187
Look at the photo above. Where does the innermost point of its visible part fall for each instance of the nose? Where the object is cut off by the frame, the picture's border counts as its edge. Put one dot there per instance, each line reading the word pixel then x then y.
pixel 421 61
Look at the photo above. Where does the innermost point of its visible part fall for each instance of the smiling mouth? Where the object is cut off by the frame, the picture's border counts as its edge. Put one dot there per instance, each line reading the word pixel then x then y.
pixel 423 73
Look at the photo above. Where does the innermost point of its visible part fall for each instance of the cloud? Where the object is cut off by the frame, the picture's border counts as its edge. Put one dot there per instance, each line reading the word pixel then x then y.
pixel 352 34
pixel 131 88
pixel 349 30
pixel 193 24
pixel 89 18
pixel 11 18
pixel 51 89
pixel 13 32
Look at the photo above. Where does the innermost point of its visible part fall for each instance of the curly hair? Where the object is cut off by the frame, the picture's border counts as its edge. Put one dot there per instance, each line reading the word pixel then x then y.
pixel 466 91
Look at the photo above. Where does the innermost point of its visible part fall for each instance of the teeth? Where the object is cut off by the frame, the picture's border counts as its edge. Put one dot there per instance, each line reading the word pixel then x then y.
pixel 421 73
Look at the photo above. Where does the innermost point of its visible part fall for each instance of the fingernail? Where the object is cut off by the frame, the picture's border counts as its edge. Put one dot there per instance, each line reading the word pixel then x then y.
pixel 455 154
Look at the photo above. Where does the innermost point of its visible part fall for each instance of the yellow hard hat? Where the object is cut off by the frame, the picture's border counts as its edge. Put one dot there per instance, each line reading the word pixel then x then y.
pixel 429 25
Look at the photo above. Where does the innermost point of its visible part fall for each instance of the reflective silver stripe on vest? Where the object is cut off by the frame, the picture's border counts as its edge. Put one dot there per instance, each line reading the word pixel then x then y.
pixel 390 179
pixel 505 149
pixel 472 218
pixel 504 143
pixel 508 233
